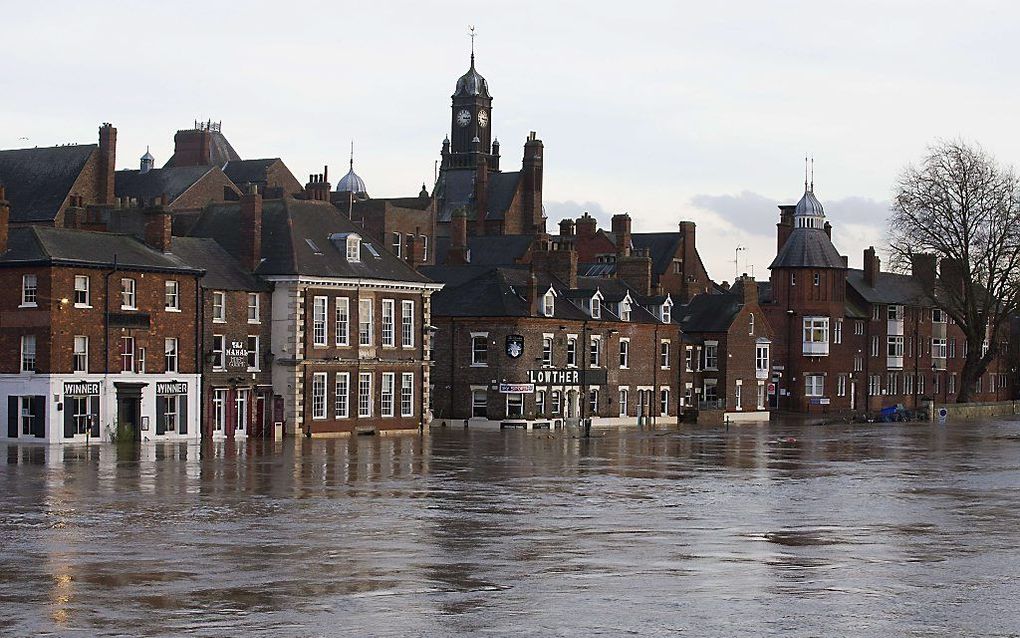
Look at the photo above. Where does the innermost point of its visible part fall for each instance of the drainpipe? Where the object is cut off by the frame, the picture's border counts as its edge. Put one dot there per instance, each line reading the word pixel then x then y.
pixel 200 356
pixel 106 317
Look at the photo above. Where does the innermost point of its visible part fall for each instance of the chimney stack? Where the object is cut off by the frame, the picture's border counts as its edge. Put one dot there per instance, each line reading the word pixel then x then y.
pixel 458 238
pixel 251 228
pixel 107 163
pixel 532 294
pixel 621 229
pixel 533 217
pixel 5 219
pixel 785 226
pixel 567 227
pixel 749 289
pixel 585 226
pixel 558 260
pixel 922 267
pixel 635 270
pixel 317 187
pixel 158 225
pixel 872 266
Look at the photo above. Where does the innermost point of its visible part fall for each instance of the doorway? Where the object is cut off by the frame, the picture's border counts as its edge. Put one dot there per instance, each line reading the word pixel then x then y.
pixel 129 411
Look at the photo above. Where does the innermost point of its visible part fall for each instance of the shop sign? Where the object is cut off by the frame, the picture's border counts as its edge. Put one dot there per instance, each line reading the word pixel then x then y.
pixel 172 387
pixel 237 355
pixel 567 376
pixel 516 388
pixel 81 388
pixel 514 346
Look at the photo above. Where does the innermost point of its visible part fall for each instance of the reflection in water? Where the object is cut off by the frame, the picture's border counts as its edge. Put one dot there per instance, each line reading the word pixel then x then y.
pixel 874 530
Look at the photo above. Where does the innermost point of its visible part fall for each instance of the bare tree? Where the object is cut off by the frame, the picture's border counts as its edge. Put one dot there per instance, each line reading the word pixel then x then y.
pixel 962 207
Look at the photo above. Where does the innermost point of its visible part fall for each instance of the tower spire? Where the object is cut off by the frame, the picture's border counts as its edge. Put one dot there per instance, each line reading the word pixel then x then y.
pixel 472 34
pixel 812 174
pixel 805 172
pixel 352 155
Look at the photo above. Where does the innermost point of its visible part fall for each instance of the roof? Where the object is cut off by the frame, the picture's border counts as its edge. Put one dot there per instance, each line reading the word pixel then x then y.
pixel 222 271
pixel 493 250
pixel 352 183
pixel 296 241
pixel 662 248
pixel 158 181
pixel 808 248
pixel 38 180
pixel 889 288
pixel 249 171
pixel 709 312
pixel 83 247
pixel 220 151
pixel 809 206
pixel 456 189
pixel 472 83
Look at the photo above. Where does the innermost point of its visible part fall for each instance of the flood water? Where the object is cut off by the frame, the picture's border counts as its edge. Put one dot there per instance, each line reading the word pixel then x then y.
pixel 875 530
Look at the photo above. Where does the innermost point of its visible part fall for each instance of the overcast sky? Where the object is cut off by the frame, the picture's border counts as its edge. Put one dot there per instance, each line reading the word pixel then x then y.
pixel 668 111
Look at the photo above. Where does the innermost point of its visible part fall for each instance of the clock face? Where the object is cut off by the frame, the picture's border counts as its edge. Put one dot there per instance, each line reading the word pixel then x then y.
pixel 463 117
pixel 483 118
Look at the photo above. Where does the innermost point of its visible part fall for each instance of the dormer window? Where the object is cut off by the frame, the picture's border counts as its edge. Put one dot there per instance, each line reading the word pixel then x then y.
pixel 549 304
pixel 666 313
pixel 624 308
pixel 353 248
pixel 596 308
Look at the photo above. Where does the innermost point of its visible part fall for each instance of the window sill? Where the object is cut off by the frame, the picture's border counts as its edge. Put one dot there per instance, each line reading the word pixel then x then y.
pixel 254 322
pixel 83 306
pixel 29 305
pixel 129 307
pixel 219 320
pixel 254 369
pixel 479 365
pixel 666 368
pixel 172 309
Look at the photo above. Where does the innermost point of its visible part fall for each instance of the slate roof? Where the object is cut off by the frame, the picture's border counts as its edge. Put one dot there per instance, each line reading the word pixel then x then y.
pixel 222 271
pixel 889 288
pixel 43 244
pixel 496 291
pixel 38 180
pixel 157 181
pixel 456 187
pixel 708 312
pixel 808 248
pixel 296 241
pixel 220 151
pixel 251 171
pixel 492 250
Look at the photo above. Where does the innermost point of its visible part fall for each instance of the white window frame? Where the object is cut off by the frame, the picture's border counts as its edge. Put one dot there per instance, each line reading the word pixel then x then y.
pixel 476 338
pixel 29 358
pixel 319 395
pixel 353 248
pixel 127 355
pixel 477 404
pixel 389 337
pixel 547 350
pixel 365 394
pixel 254 309
pixel 219 351
pixel 711 355
pixel 342 395
pixel 595 351
pixel 172 295
pixel 571 356
pixel 219 305
pixel 171 354
pixel 29 291
pixel 128 294
pixel 407 394
pixel 549 304
pixel 623 400
pixel 257 352
pixel 407 323
pixel 665 350
pixel 342 321
pixel 85 292
pixel 814 385
pixel 320 310
pixel 624 353
pixel 387 393
pixel 80 362
pixel 366 322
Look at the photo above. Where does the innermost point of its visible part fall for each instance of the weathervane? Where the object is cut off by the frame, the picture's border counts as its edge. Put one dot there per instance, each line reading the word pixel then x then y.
pixel 472 34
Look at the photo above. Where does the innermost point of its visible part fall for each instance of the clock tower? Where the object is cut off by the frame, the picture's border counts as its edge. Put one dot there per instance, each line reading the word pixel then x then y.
pixel 470 141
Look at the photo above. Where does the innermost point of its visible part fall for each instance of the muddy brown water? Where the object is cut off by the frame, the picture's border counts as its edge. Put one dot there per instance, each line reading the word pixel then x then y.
pixel 875 530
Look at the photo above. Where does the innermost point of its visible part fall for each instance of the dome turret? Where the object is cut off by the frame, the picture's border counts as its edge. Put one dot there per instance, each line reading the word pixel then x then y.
pixel 472 83
pixel 351 182
pixel 147 162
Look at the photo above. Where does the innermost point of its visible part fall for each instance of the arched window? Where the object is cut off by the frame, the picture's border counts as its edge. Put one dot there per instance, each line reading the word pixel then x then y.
pixel 750 324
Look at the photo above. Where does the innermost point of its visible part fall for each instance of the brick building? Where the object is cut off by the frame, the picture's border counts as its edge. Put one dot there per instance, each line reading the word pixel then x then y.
pixel 727 343
pixel 860 340
pixel 349 319
pixel 540 346
pixel 97 334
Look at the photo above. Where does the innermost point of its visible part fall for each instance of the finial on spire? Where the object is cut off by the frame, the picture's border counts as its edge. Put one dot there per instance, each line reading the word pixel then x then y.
pixel 471 34
pixel 812 174
pixel 352 155
pixel 805 172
